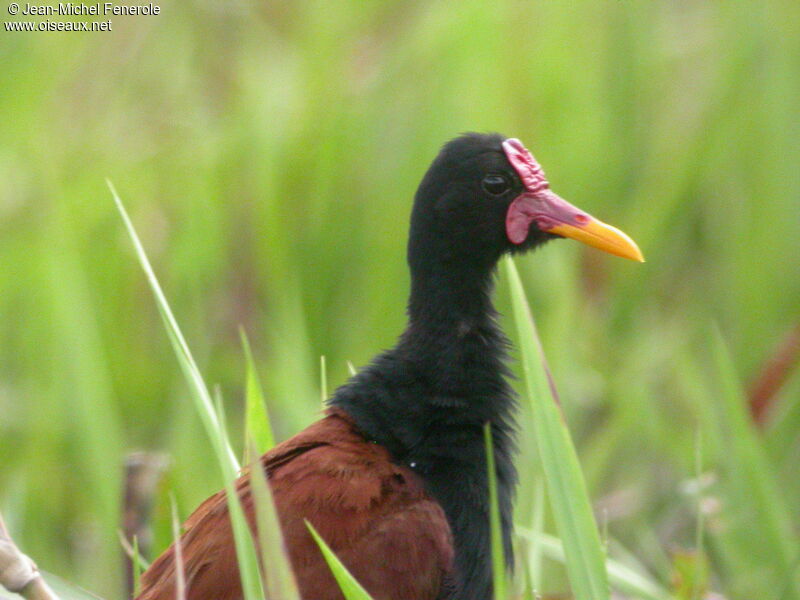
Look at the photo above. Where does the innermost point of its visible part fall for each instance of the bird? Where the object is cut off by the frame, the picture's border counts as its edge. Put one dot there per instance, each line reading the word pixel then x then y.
pixel 393 476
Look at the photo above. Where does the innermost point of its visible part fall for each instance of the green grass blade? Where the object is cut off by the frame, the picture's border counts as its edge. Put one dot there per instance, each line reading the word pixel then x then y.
pixel 622 577
pixel 180 574
pixel 350 587
pixel 131 549
pixel 138 566
pixel 229 466
pixel 565 484
pixel 64 590
pixel 279 580
pixel 535 550
pixel 323 379
pixel 498 556
pixel 219 408
pixel 753 479
pixel 138 563
pixel 697 591
pixel 202 397
pixel 245 550
pixel 257 425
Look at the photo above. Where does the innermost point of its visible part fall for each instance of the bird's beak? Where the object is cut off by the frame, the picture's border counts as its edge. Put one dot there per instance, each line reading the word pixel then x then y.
pixel 553 214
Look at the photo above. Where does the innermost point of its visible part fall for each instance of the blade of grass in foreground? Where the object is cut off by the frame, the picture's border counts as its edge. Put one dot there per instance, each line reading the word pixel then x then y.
pixel 180 574
pixel 350 587
pixel 279 580
pixel 623 578
pixel 64 590
pixel 138 566
pixel 535 548
pixel 323 379
pixel 245 551
pixel 498 557
pixel 257 423
pixel 753 479
pixel 565 484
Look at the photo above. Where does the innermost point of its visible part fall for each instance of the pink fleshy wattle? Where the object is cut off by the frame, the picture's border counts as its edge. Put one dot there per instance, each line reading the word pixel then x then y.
pixel 521 213
pixel 518 219
pixel 525 165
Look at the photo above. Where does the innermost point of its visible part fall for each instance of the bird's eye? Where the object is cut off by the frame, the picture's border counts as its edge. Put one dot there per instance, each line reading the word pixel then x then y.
pixel 495 184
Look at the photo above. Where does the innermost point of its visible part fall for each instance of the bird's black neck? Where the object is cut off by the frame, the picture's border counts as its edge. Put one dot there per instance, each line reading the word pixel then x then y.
pixel 427 399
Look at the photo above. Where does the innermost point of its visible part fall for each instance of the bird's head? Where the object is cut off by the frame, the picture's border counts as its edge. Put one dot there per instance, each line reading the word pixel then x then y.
pixel 485 195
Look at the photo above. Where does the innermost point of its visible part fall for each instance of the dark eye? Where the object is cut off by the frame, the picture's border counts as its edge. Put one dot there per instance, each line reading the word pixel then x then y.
pixel 495 184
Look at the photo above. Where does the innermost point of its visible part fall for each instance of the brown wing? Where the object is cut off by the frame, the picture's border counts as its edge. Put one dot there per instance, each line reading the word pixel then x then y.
pixel 374 514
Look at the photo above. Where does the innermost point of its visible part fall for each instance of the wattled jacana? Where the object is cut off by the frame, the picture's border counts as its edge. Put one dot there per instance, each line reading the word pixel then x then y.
pixel 393 477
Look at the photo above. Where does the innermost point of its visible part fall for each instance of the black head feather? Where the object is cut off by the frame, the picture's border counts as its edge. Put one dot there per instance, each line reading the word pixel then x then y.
pixel 458 219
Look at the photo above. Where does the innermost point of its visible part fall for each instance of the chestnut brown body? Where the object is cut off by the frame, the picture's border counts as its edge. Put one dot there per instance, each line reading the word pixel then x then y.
pixel 363 505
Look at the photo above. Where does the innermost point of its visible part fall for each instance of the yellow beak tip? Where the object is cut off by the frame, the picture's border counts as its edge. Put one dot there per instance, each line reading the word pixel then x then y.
pixel 603 237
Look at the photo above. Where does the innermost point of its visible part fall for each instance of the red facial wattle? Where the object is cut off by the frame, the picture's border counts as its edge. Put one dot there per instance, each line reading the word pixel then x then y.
pixel 552 214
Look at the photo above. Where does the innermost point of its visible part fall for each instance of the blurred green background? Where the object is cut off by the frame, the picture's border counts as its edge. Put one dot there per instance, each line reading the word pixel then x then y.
pixel 268 153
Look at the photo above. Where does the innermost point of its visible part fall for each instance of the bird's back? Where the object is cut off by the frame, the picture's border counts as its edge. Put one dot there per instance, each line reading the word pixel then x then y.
pixel 373 513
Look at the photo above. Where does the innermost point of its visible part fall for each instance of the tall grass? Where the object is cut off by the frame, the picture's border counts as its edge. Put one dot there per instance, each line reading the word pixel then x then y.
pixel 566 487
pixel 212 415
pixel 269 153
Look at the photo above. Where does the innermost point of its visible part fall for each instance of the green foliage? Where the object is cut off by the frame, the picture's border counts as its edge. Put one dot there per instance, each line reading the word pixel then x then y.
pixel 498 556
pixel 180 573
pixel 139 565
pixel 690 576
pixel 257 426
pixel 279 580
pixel 565 485
pixel 214 421
pixel 534 550
pixel 753 488
pixel 64 590
pixel 350 587
pixel 622 577
pixel 269 152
